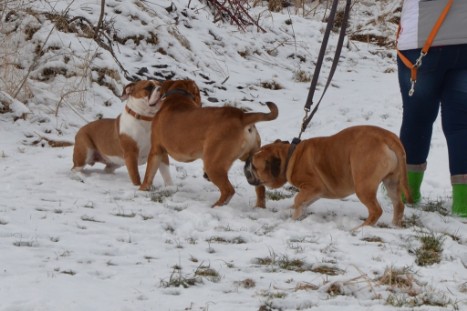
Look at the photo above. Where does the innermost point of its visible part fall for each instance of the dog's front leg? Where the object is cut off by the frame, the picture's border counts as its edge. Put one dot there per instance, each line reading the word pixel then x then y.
pixel 304 197
pixel 154 160
pixel 260 196
pixel 130 156
pixel 131 162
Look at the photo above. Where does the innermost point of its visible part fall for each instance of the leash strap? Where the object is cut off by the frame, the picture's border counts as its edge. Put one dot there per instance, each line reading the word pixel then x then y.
pixel 429 41
pixel 314 82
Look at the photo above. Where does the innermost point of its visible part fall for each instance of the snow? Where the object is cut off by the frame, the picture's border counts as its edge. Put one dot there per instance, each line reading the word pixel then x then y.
pixel 94 242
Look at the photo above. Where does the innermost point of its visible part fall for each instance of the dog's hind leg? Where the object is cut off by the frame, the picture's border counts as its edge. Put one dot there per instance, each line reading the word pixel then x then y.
pixel 217 170
pixel 81 151
pixel 221 180
pixel 368 197
pixel 217 160
pixel 165 170
pixel 391 183
pixel 110 168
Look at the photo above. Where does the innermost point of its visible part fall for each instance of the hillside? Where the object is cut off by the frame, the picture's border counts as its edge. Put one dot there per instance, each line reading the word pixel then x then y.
pixel 92 241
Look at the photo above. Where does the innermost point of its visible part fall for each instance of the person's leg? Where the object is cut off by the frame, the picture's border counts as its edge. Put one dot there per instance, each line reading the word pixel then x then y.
pixel 454 120
pixel 415 175
pixel 419 113
pixel 459 195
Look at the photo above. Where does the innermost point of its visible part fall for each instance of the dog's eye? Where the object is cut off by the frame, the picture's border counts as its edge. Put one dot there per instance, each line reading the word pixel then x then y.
pixel 150 88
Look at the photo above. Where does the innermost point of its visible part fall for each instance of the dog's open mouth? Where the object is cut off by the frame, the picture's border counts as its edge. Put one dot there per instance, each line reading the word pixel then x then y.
pixel 155 103
pixel 153 93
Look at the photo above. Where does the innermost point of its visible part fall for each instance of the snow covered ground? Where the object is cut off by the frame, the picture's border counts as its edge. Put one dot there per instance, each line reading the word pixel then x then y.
pixel 94 242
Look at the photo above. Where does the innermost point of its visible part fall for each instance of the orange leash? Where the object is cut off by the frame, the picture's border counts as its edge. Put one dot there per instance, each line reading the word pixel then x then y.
pixel 429 41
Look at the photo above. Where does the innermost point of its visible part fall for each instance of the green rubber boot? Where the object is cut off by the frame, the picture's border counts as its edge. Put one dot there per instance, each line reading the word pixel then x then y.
pixel 414 180
pixel 459 200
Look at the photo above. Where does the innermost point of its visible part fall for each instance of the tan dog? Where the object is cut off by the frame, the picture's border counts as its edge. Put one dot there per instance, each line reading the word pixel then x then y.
pixel 126 139
pixel 218 135
pixel 355 160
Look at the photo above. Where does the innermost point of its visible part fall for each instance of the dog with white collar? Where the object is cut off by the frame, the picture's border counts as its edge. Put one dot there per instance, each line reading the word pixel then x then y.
pixel 125 140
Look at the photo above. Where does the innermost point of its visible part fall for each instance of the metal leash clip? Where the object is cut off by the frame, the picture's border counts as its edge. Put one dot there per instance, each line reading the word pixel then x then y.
pixel 412 87
pixel 418 64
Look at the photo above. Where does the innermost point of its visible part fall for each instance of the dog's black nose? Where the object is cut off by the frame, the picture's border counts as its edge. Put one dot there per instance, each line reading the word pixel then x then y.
pixel 248 170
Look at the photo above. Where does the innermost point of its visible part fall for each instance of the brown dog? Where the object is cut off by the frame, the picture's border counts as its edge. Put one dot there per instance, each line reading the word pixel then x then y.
pixel 218 135
pixel 126 139
pixel 355 160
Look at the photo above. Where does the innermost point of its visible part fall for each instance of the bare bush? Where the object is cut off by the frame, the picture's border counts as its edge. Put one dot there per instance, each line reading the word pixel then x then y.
pixel 233 11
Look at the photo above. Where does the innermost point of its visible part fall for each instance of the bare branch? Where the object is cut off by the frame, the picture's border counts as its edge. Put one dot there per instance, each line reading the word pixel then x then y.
pixel 233 10
pixel 100 22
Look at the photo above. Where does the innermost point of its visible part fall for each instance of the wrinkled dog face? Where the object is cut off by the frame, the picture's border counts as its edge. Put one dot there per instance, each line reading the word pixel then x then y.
pixel 265 167
pixel 144 94
pixel 250 173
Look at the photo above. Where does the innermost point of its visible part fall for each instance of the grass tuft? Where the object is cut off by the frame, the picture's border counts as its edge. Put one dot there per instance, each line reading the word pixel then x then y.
pixel 24 244
pixel 125 215
pixel 161 195
pixel 301 76
pixel 463 288
pixel 177 279
pixel 295 264
pixel 219 239
pixel 305 286
pixel 327 270
pixel 247 283
pixel 373 239
pixel 401 278
pixel 406 291
pixel 435 206
pixel 428 298
pixel 207 272
pixel 412 221
pixel 90 218
pixel 277 195
pixel 271 85
pixel 335 289
pixel 430 251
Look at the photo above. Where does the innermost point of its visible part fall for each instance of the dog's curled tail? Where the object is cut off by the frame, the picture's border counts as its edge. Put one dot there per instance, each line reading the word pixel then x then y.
pixel 253 117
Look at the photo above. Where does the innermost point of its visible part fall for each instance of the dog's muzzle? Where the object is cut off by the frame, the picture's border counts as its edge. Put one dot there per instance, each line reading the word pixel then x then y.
pixel 249 173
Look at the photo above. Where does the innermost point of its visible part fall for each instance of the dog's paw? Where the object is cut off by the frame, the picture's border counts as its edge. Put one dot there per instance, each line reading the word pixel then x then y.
pixel 145 187
pixel 76 175
pixel 297 213
pixel 299 218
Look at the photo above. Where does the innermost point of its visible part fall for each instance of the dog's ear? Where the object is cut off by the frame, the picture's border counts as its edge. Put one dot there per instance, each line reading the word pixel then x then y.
pixel 194 89
pixel 166 85
pixel 275 166
pixel 127 90
pixel 281 141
